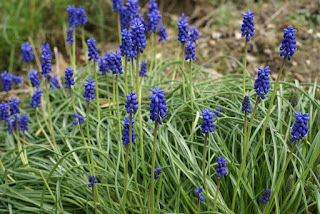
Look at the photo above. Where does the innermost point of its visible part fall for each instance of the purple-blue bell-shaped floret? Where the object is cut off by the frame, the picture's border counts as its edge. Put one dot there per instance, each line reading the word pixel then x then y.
pixel 262 82
pixel 300 127
pixel 207 124
pixel 246 106
pixel 89 90
pixel 183 29
pixel 289 44
pixel 221 167
pixel 26 52
pixel 247 27
pixel 158 105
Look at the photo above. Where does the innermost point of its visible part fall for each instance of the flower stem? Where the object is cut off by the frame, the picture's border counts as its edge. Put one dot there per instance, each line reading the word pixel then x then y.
pixel 97 88
pixel 87 151
pixel 154 50
pixel 245 67
pixel 118 114
pixel 113 93
pixel 217 192
pixel 94 200
pixel 73 106
pixel 21 154
pixel 252 118
pixel 183 78
pixel 74 51
pixel 154 149
pixel 204 167
pixel 88 137
pixel 243 163
pixel 132 74
pixel 126 174
pixel 190 80
pixel 119 27
pixel 141 136
pixel 269 109
pixel 198 206
pixel 108 91
pixel 126 73
pixel 42 130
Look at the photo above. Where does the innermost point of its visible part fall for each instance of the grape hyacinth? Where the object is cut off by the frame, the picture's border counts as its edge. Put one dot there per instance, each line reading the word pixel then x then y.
pixel 265 197
pixel 14 106
pixel 46 48
pixel 221 167
pixel 89 92
pixel 17 79
pixel 92 181
pixel 103 66
pixel 12 123
pixel 78 119
pixel 117 5
pixel 70 36
pixel 26 52
pixel 162 33
pixel 143 70
pixel 262 82
pixel 46 64
pixel 6 81
pixel 289 44
pixel 247 27
pixel 23 123
pixel 124 18
pixel 132 103
pixel 54 83
pixel 194 34
pixel 154 16
pixel 300 127
pixel 126 47
pixel 81 16
pixel 72 14
pixel 198 192
pixel 190 51
pixel 4 111
pixel 246 106
pixel 34 78
pixel 183 29
pixel 125 131
pixel 133 9
pixel 143 23
pixel 158 105
pixel 93 52
pixel 157 172
pixel 138 34
pixel 36 98
pixel 219 110
pixel 114 62
pixel 69 81
pixel 207 124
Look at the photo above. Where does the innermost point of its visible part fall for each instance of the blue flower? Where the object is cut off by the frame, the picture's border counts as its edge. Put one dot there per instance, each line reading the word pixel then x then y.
pixel 36 98
pixel 26 52
pixel 133 9
pixel 132 102
pixel 157 172
pixel 219 110
pixel 4 111
pixel 23 123
pixel 125 131
pixel 289 44
pixel 143 23
pixel 246 106
pixel 14 106
pixel 72 14
pixel 198 192
pixel 12 123
pixel 79 119
pixel 138 34
pixel 207 124
pixel 46 48
pixel 6 81
pixel 17 79
pixel 300 127
pixel 34 78
pixel 127 48
pixel 247 27
pixel 114 62
pixel 221 167
pixel 154 16
pixel 69 81
pixel 158 105
pixel 89 92
pixel 162 33
pixel 262 82
pixel 117 5
pixel 54 83
pixel 93 52
pixel 143 70
pixel 190 51
pixel 124 18
pixel 92 181
pixel 265 197
pixel 183 29
pixel 46 64
pixel 194 34
pixel 103 66
pixel 70 36
pixel 81 16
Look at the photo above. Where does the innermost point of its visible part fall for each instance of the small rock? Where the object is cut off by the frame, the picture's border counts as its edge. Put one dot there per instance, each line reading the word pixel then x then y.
pixel 298 77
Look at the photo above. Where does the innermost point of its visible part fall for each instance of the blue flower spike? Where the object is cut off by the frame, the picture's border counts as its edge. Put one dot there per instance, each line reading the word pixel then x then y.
pixel 132 102
pixel 198 192
pixel 117 5
pixel 289 44
pixel 36 99
pixel 69 80
pixel 158 105
pixel 125 131
pixel 262 82
pixel 246 106
pixel 154 16
pixel 70 36
pixel 34 78
pixel 162 33
pixel 78 119
pixel 93 52
pixel 14 106
pixel 23 123
pixel 6 81
pixel 183 29
pixel 190 51
pixel 300 127
pixel 194 34
pixel 221 167
pixel 265 197
pixel 157 172
pixel 26 52
pixel 89 90
pixel 127 48
pixel 54 82
pixel 247 27
pixel 207 124
pixel 143 70
pixel 4 111
pixel 138 35
pixel 92 181
pixel 217 113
